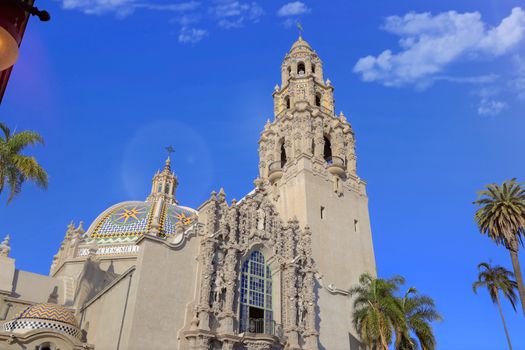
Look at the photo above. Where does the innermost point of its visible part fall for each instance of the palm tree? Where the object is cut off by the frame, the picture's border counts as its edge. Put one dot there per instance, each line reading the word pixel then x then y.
pixel 377 311
pixel 16 168
pixel 497 279
pixel 419 311
pixel 502 217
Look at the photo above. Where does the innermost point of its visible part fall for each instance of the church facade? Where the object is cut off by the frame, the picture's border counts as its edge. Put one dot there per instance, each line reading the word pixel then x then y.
pixel 270 271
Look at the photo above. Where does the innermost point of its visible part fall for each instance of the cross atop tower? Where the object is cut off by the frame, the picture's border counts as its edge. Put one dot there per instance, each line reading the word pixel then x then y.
pixel 300 28
pixel 170 150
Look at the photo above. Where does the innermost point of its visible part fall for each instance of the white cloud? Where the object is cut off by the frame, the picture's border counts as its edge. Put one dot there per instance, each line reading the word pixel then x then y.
pixel 180 7
pixel 430 43
pixel 480 79
pixel 123 8
pixel 99 7
pixel 224 13
pixel 187 19
pixel 295 8
pixel 191 35
pixel 233 14
pixel 490 107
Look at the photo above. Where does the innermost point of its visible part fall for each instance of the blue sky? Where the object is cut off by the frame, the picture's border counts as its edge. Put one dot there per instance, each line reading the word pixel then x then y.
pixel 435 92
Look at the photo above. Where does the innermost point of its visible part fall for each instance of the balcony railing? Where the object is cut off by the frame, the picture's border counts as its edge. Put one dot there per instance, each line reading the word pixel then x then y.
pixel 275 166
pixel 261 326
pixel 335 165
pixel 275 170
pixel 334 160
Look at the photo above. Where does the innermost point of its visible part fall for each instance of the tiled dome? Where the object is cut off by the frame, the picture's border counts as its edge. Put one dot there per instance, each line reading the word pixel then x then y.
pixel 127 221
pixel 301 45
pixel 45 316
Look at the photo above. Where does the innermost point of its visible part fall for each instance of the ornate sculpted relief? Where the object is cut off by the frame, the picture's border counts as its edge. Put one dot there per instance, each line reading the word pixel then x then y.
pixel 231 233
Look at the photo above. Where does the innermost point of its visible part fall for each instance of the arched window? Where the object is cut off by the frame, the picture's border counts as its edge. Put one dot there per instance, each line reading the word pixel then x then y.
pixel 283 155
pixel 159 188
pixel 287 102
pixel 313 68
pixel 300 68
pixel 167 188
pixel 327 150
pixel 289 71
pixel 46 346
pixel 256 315
pixel 318 100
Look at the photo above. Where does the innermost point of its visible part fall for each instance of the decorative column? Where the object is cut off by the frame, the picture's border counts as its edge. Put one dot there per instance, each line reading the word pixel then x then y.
pixel 206 260
pixel 288 147
pixel 310 330
pixel 227 315
pixel 351 166
pixel 318 139
pixel 338 142
pixel 290 288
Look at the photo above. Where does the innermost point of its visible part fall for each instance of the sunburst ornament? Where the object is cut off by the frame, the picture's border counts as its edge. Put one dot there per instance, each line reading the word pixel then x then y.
pixel 183 219
pixel 129 215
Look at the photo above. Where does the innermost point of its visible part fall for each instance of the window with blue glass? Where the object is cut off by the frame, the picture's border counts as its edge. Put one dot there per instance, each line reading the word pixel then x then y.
pixel 256 314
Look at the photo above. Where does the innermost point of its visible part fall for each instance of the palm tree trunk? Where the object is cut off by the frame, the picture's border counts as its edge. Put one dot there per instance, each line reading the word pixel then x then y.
pixel 504 324
pixel 397 332
pixel 518 276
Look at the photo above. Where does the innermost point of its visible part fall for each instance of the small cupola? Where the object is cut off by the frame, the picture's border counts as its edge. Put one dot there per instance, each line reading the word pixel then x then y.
pixel 164 184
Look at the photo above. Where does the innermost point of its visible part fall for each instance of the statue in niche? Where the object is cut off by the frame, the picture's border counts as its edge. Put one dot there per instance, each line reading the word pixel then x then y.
pixel 220 287
pixel 261 217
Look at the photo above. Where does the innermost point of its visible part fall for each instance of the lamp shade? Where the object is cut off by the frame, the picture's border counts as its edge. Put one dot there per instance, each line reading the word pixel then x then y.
pixel 8 49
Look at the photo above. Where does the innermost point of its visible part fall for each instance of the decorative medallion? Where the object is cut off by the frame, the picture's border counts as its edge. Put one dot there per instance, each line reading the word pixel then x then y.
pixel 128 215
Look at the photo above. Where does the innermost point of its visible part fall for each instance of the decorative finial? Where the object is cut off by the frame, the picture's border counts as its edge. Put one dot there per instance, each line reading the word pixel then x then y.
pixel 80 228
pixel 342 117
pixel 5 248
pixel 170 150
pixel 222 195
pixel 301 30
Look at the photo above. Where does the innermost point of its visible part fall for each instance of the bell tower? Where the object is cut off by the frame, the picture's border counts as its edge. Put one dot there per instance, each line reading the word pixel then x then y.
pixel 308 161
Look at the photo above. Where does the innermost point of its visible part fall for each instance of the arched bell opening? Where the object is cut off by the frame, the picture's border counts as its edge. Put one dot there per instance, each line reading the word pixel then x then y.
pixel 287 102
pixel 327 153
pixel 318 99
pixel 301 68
pixel 283 156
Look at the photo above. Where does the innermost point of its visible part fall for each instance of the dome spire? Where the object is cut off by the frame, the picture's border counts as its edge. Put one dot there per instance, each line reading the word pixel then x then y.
pixel 301 30
pixel 170 150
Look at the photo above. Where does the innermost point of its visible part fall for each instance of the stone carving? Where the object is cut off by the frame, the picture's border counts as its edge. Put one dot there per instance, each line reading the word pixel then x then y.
pixel 258 345
pixel 5 248
pixel 261 215
pixel 241 225
pixel 220 287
